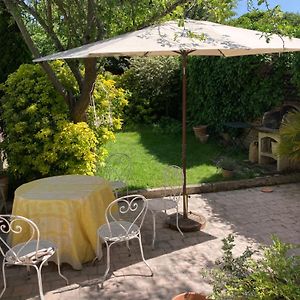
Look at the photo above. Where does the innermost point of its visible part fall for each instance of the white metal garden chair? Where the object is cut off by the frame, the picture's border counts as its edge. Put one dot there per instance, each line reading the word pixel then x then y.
pixel 117 168
pixel 173 178
pixel 32 253
pixel 124 218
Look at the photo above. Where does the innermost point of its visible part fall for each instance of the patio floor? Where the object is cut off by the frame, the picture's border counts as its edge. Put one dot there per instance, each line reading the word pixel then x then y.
pixel 250 214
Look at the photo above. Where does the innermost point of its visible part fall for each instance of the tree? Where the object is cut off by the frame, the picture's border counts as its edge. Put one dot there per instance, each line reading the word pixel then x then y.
pixel 67 24
pixel 13 50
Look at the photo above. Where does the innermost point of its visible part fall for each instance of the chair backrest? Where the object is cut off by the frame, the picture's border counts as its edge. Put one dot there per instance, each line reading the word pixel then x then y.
pixel 117 166
pixel 14 227
pixel 173 180
pixel 131 208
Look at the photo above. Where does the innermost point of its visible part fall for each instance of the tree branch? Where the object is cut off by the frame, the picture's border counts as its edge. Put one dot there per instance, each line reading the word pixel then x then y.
pixel 13 10
pixel 100 26
pixel 89 23
pixel 72 29
pixel 159 15
pixel 54 38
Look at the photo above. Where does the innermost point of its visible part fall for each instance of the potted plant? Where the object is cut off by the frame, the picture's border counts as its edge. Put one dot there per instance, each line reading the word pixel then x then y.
pixel 275 275
pixel 200 133
pixel 227 165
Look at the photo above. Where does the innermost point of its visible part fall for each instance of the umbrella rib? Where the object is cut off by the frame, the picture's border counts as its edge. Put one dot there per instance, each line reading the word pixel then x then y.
pixel 187 52
pixel 222 53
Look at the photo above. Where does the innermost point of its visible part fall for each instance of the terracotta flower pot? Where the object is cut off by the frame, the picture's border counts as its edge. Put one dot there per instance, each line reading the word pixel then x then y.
pixel 203 138
pixel 200 130
pixel 227 173
pixel 190 296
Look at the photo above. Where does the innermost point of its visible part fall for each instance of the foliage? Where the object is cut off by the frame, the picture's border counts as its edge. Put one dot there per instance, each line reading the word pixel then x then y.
pixel 270 21
pixel 39 139
pixel 105 115
pixel 227 163
pixel 74 148
pixel 154 85
pixel 289 144
pixel 274 21
pixel 275 276
pixel 243 88
pixel 12 47
pixel 233 89
pixel 56 26
pixel 167 125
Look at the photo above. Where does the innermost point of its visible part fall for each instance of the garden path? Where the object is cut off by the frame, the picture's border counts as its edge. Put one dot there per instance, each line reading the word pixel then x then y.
pixel 250 214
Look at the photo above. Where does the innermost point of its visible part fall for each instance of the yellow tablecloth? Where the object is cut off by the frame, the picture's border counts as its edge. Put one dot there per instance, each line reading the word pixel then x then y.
pixel 68 211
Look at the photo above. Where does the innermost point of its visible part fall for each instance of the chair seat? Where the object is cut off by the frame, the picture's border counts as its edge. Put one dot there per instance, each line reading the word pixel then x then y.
pixel 118 231
pixel 28 254
pixel 159 204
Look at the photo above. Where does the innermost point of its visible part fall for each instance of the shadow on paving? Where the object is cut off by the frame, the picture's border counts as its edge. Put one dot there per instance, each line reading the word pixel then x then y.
pixel 258 215
pixel 88 279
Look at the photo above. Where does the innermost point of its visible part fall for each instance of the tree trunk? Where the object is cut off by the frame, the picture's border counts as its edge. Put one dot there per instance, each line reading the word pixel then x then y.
pixel 80 107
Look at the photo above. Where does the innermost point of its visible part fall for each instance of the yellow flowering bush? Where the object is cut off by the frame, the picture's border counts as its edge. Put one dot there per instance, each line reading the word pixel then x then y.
pixel 39 138
pixel 105 113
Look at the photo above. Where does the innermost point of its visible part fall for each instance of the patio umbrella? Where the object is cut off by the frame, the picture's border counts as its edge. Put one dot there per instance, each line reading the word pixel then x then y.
pixel 192 38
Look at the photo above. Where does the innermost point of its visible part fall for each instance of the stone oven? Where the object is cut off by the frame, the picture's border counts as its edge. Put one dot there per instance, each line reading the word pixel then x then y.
pixel 268 135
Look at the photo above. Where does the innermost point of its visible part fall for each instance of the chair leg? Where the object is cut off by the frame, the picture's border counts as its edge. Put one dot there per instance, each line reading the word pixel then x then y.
pixel 28 272
pixel 4 278
pixel 154 228
pixel 116 193
pixel 107 262
pixel 139 237
pixel 58 268
pixel 177 221
pixel 128 247
pixel 40 282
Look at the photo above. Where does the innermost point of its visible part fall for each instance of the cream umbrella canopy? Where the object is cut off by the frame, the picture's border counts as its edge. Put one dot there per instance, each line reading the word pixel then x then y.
pixel 193 37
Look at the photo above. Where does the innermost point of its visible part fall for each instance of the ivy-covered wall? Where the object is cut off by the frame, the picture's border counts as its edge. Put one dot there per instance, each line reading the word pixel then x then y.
pixel 235 89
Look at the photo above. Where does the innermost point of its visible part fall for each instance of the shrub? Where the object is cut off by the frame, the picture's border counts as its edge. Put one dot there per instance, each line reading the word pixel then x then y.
pixel 105 115
pixel 154 85
pixel 289 144
pixel 275 276
pixel 227 163
pixel 168 126
pixel 75 149
pixel 40 141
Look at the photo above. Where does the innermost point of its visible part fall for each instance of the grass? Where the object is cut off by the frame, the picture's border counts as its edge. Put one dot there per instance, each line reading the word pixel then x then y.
pixel 150 151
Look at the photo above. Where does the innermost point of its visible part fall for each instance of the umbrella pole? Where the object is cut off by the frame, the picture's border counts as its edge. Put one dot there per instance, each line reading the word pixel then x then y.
pixel 184 193
pixel 187 221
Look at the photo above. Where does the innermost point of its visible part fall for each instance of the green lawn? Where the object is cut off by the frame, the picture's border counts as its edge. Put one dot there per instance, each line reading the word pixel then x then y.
pixel 151 151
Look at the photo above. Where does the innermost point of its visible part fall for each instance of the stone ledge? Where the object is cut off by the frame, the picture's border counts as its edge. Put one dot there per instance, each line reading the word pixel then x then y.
pixel 225 185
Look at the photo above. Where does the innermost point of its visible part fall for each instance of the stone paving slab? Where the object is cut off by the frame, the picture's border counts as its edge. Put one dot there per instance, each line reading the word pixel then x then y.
pixel 251 215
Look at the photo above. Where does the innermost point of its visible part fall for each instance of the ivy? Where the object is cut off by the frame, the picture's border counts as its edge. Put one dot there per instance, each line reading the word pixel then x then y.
pixel 233 89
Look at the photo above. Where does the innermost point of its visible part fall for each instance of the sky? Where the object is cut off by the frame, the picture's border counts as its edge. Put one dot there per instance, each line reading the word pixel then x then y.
pixel 286 5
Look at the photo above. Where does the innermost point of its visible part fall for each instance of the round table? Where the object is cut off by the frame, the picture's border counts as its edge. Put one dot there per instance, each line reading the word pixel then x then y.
pixel 68 210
